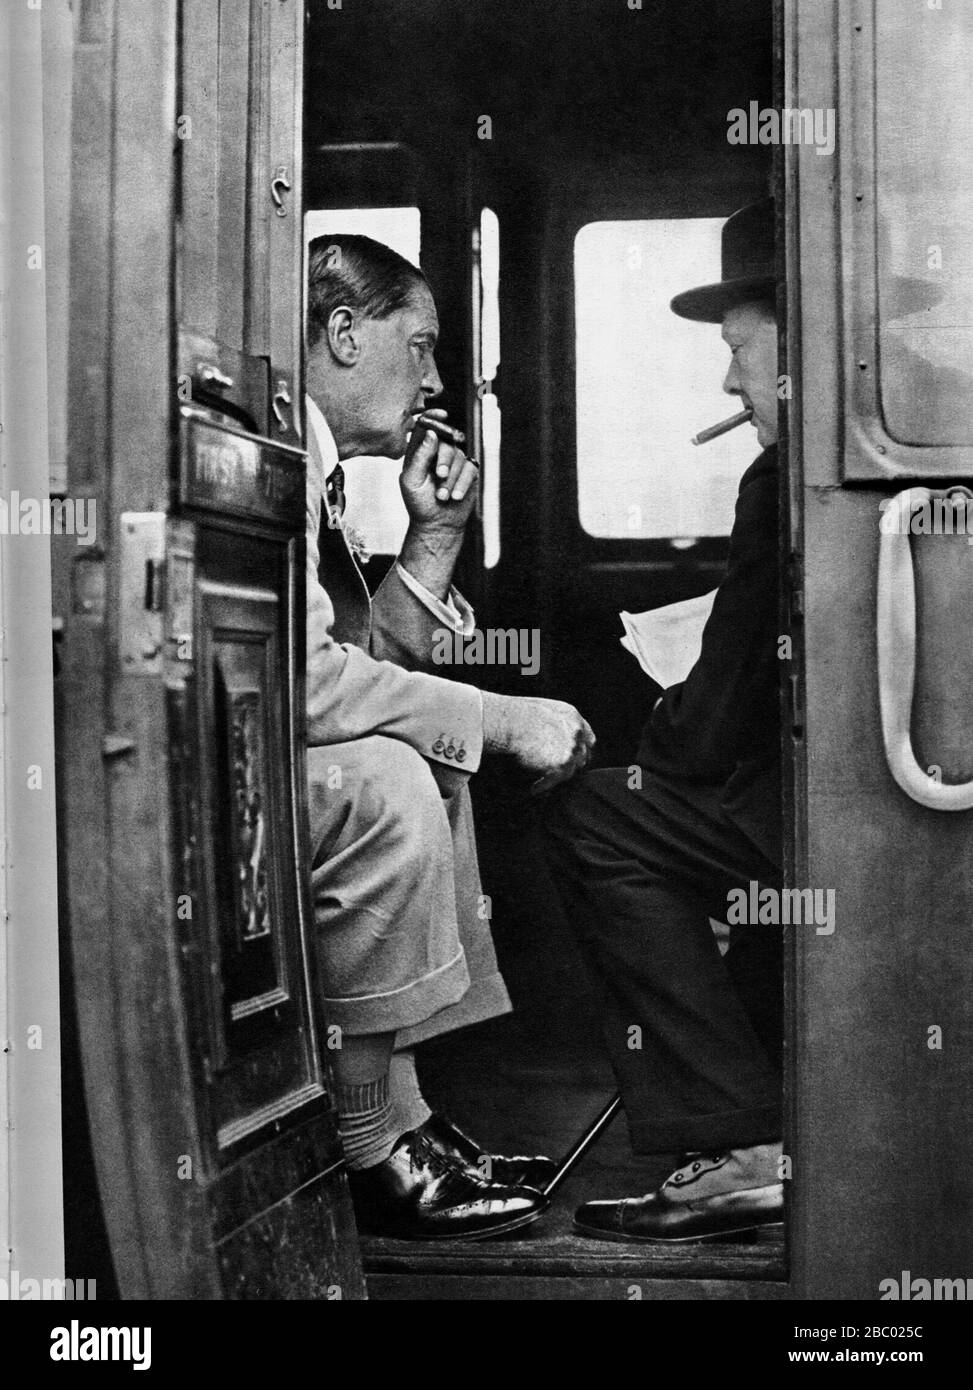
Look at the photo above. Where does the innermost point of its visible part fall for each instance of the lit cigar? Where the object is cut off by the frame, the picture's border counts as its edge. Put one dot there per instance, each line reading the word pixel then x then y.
pixel 723 427
pixel 440 427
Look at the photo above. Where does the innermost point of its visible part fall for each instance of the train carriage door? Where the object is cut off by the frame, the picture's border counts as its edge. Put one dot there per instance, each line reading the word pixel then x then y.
pixel 879 238
pixel 203 1053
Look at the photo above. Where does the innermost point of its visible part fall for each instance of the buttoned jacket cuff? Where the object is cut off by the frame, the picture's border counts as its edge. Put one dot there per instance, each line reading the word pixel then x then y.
pixel 459 741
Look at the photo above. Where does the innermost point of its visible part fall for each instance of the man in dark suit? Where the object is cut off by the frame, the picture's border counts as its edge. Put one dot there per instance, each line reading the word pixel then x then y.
pixel 646 856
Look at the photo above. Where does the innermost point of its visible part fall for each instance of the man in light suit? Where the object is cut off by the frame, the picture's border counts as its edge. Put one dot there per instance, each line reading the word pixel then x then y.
pixel 404 947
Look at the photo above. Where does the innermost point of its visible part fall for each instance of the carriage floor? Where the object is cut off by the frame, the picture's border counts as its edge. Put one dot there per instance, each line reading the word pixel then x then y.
pixel 531 1083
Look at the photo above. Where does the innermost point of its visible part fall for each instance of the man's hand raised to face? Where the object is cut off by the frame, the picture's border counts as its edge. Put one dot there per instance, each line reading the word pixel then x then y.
pixel 438 482
pixel 545 736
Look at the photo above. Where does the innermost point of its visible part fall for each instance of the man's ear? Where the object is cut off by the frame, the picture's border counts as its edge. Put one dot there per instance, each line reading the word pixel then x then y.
pixel 343 335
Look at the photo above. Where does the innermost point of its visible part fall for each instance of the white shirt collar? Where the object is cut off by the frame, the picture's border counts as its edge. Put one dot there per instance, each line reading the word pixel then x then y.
pixel 323 437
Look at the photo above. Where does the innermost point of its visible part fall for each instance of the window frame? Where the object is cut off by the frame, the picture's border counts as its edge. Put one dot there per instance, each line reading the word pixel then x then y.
pixel 871 453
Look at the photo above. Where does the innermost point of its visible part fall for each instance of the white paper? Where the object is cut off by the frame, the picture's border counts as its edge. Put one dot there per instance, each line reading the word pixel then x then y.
pixel 667 641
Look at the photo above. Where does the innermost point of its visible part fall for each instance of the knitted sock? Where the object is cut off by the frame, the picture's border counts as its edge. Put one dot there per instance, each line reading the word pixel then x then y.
pixel 408 1105
pixel 368 1131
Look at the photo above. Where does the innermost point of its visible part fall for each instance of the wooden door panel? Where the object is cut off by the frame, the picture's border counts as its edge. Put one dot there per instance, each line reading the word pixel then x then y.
pixel 881 1087
pixel 302 1247
pixel 234 96
pixel 281 202
pixel 263 1062
pixel 217 1155
pixel 197 150
pixel 240 195
pixel 268 1145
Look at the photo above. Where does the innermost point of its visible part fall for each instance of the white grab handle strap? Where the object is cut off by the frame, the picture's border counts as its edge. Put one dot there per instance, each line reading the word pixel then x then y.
pixel 896 620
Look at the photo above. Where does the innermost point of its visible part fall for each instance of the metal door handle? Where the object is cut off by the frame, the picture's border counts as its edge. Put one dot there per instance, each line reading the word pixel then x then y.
pixel 282 397
pixel 896 621
pixel 212 376
pixel 279 185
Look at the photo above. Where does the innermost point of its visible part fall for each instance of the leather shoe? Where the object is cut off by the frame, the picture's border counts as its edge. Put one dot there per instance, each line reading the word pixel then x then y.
pixel 419 1193
pixel 508 1170
pixel 686 1208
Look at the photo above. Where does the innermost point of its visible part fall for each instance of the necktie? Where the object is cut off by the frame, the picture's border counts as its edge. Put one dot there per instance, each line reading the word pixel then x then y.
pixel 334 489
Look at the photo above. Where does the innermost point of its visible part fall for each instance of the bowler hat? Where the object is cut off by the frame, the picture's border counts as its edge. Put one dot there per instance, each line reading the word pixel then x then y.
pixel 748 266
pixel 749 271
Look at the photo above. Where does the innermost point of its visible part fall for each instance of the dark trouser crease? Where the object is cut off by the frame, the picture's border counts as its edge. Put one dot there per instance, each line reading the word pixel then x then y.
pixel 639 873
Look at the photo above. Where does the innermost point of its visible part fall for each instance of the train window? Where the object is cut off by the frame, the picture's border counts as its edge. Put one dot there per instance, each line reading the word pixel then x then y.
pixel 647 381
pixel 375 510
pixel 487 303
pixel 925 225
pixel 399 228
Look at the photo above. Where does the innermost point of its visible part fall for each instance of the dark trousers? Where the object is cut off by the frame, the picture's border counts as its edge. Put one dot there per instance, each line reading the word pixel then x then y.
pixel 694 1037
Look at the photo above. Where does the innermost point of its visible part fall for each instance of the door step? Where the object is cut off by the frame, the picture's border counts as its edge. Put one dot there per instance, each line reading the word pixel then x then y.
pixel 567 1266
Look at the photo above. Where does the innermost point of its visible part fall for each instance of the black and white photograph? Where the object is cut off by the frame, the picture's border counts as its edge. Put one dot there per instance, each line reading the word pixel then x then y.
pixel 486 616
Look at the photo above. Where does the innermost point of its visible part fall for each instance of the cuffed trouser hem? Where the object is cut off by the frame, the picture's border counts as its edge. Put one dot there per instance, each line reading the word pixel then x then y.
pixel 486 997
pixel 397 1009
pixel 735 1129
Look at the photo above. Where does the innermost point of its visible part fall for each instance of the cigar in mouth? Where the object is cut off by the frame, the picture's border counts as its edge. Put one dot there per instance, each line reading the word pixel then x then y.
pixel 440 427
pixel 723 427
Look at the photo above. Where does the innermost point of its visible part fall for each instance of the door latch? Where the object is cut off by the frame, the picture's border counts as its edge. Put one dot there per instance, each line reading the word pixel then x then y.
pixel 211 376
pixel 141 597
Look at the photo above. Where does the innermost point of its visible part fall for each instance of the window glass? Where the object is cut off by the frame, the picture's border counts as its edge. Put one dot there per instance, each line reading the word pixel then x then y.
pixel 395 227
pixel 924 135
pixel 647 381
pixel 374 506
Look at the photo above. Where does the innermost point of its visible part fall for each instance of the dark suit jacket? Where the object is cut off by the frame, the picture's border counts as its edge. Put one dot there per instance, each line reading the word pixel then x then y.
pixel 721 726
